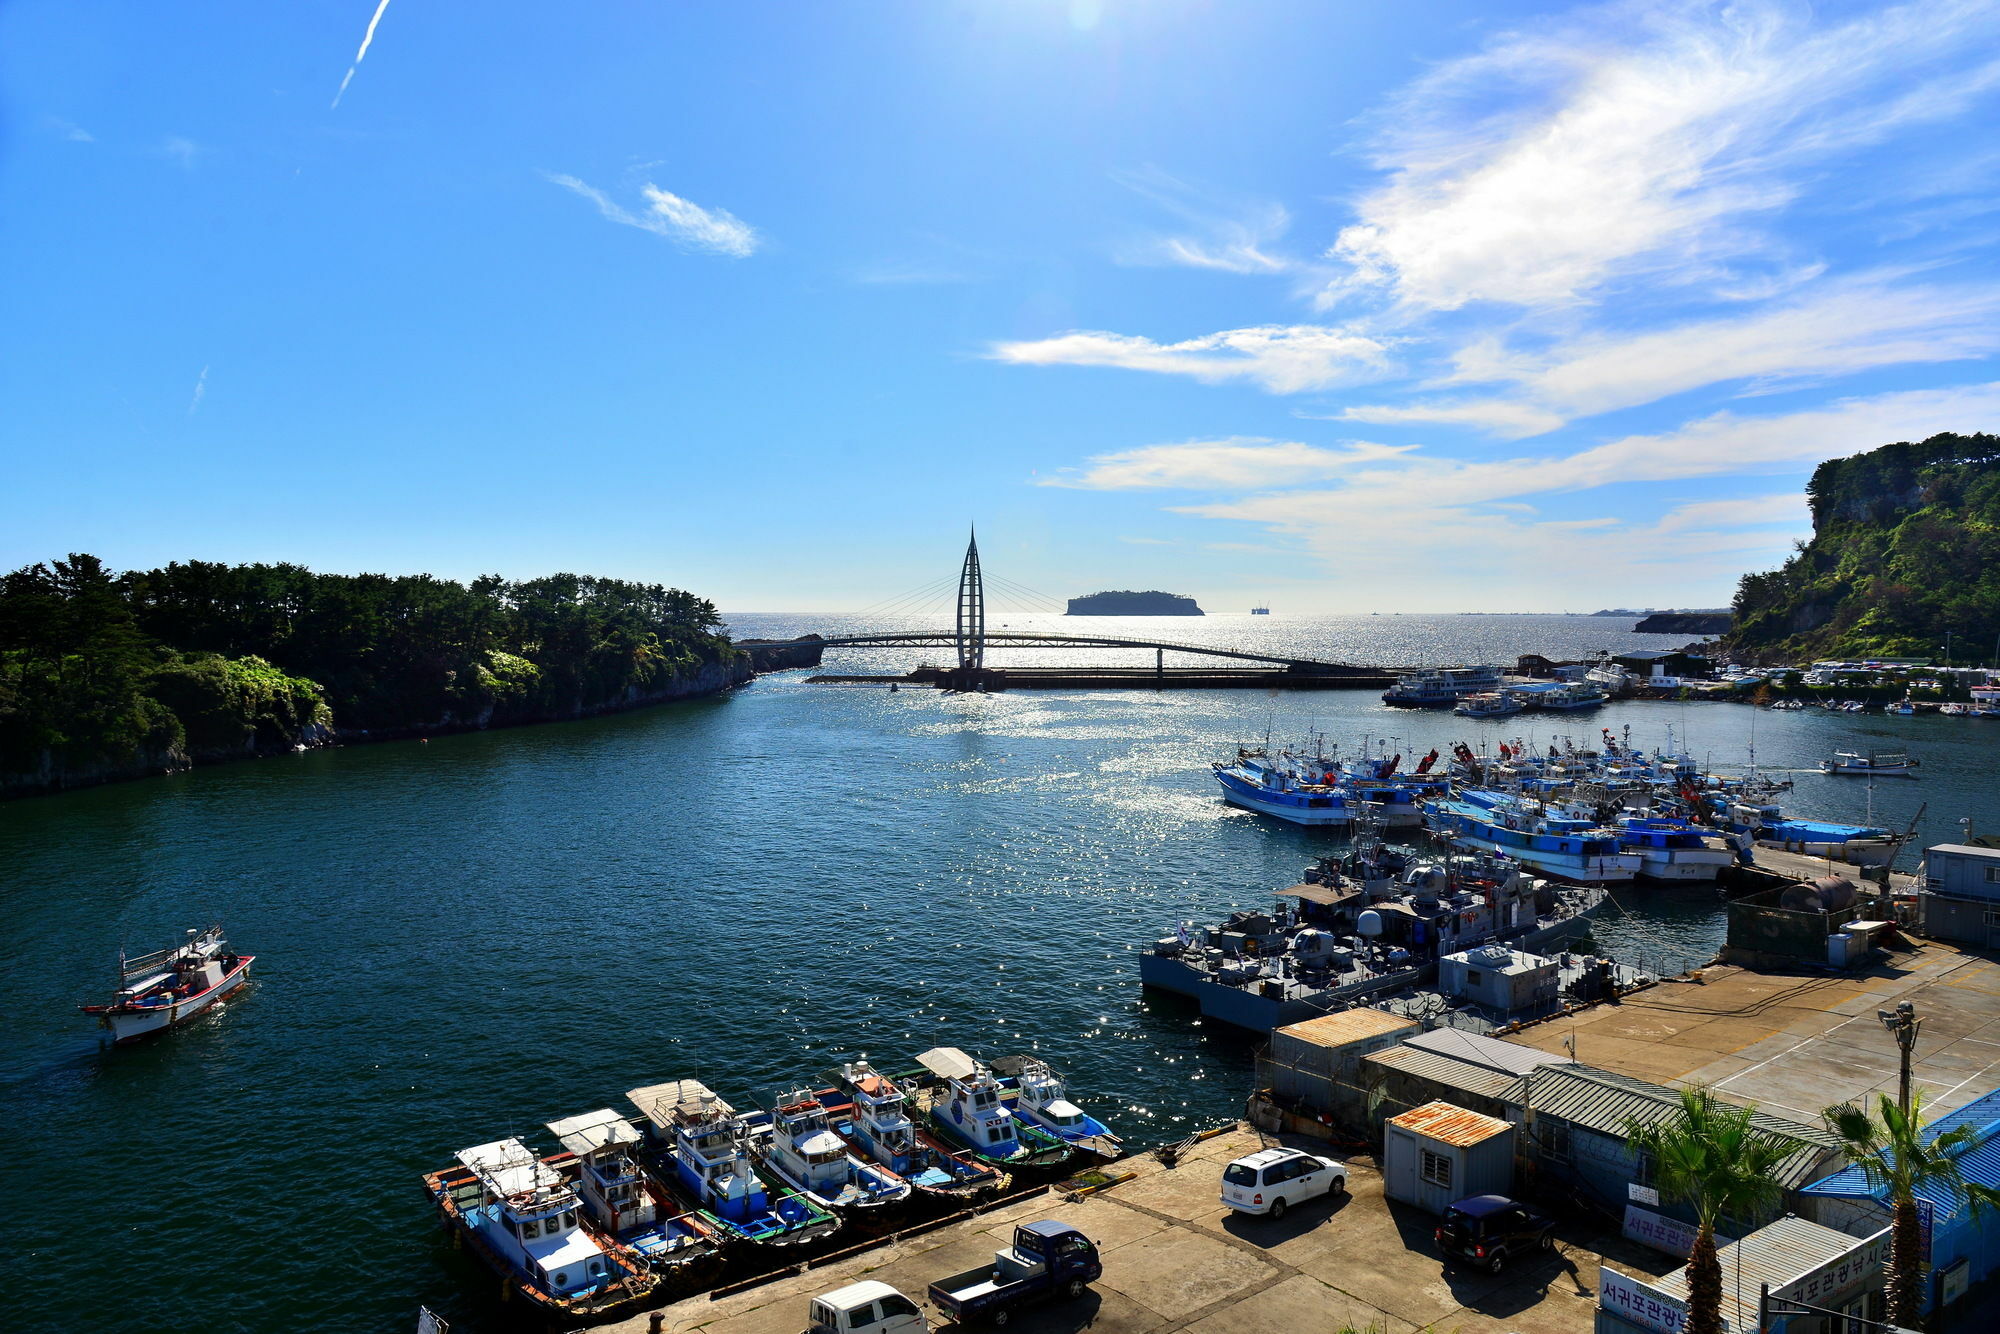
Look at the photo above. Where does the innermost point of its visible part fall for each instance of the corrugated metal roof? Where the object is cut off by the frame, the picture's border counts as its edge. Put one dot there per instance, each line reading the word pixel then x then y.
pixel 1603 1101
pixel 1779 1253
pixel 1443 1071
pixel 1979 1164
pixel 1337 1030
pixel 1478 1049
pixel 1450 1125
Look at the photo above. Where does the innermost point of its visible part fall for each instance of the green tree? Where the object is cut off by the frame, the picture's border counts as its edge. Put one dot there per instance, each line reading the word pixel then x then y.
pixel 1707 1154
pixel 1897 1159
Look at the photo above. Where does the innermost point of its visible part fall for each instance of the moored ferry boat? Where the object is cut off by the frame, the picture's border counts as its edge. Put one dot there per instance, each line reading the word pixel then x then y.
pixel 1564 696
pixel 806 1154
pixel 970 1111
pixel 171 986
pixel 527 1224
pixel 870 1112
pixel 704 1156
pixel 1489 704
pixel 622 1200
pixel 1441 687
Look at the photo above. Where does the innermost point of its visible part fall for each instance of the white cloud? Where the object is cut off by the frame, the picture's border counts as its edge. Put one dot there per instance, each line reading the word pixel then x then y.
pixel 1637 138
pixel 367 38
pixel 680 220
pixel 200 389
pixel 71 131
pixel 1835 329
pixel 1232 238
pixel 181 151
pixel 1240 463
pixel 1282 359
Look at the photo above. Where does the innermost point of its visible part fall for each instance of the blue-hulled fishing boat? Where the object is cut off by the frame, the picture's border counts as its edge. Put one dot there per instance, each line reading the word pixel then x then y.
pixel 1671 849
pixel 621 1199
pixel 702 1153
pixel 1300 788
pixel 1553 839
pixel 969 1110
pixel 527 1224
pixel 870 1112
pixel 804 1152
pixel 1041 1096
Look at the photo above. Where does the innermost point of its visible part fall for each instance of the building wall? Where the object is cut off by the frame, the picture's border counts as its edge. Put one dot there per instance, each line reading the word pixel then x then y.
pixel 1960 1237
pixel 1964 874
pixel 1479 1169
pixel 1954 919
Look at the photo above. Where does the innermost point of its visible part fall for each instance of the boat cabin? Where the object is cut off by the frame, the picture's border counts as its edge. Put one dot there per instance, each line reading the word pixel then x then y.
pixel 880 1109
pixel 533 1219
pixel 608 1175
pixel 972 1109
pixel 806 1150
pixel 708 1143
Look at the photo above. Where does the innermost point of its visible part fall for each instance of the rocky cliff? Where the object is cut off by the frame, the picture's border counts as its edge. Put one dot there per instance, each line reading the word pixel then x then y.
pixel 1904 558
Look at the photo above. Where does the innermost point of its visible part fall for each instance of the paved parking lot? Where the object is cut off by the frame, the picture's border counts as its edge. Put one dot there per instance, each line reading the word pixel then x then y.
pixel 1176 1259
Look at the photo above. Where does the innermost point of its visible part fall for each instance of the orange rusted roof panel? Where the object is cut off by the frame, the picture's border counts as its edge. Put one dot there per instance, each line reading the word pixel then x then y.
pixel 1450 1125
pixel 1337 1030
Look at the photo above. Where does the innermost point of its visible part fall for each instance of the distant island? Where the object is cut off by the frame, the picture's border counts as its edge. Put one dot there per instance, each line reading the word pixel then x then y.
pixel 1127 603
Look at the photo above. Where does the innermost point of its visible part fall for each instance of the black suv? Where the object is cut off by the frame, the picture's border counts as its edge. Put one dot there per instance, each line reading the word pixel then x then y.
pixel 1490 1230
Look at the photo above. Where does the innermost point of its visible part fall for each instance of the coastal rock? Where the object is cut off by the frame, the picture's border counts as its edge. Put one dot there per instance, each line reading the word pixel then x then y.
pixel 1685 623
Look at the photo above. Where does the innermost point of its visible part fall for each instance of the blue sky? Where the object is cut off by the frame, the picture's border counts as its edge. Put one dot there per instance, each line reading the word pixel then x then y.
pixel 1345 306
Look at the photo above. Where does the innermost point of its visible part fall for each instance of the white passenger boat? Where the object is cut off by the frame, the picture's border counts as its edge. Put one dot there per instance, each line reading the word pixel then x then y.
pixel 806 1154
pixel 171 986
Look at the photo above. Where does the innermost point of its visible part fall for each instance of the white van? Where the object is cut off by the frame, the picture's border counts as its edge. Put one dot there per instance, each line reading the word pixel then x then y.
pixel 1272 1180
pixel 866 1308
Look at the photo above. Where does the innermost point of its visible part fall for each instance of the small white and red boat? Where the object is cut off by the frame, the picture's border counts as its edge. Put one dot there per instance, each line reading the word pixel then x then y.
pixel 171 986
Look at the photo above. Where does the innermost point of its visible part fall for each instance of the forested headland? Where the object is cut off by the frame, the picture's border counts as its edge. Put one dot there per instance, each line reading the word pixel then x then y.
pixel 106 676
pixel 1904 557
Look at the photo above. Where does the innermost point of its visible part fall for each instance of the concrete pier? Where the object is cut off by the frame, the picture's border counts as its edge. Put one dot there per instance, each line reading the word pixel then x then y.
pixel 1176 1259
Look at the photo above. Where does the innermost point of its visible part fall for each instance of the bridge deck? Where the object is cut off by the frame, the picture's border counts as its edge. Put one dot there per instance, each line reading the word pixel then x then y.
pixel 1036 639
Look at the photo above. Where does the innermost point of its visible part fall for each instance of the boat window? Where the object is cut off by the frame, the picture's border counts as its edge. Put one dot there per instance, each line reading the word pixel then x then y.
pixel 569 1218
pixel 531 1229
pixel 560 1278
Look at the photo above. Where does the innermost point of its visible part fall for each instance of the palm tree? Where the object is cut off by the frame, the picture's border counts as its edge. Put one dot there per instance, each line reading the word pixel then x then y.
pixel 1706 1154
pixel 1896 1158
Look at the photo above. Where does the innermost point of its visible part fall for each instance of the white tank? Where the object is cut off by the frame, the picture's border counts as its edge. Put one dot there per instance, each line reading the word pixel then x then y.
pixel 1369 923
pixel 1311 946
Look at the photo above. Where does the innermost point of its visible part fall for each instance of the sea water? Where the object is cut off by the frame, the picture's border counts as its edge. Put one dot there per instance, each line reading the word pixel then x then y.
pixel 465 938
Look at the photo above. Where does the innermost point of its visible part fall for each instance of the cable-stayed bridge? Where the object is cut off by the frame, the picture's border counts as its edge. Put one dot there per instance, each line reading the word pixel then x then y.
pixel 968 638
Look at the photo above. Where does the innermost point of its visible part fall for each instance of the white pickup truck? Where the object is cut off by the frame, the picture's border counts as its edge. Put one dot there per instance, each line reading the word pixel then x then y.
pixel 866 1308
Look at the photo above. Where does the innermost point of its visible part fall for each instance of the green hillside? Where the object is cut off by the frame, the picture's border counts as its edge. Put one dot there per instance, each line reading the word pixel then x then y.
pixel 1905 551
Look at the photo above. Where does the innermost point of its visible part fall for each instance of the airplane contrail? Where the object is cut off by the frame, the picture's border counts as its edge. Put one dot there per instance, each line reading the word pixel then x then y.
pixel 366 38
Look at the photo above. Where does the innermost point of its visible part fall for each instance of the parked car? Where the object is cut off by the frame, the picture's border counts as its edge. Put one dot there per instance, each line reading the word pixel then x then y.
pixel 1490 1230
pixel 866 1308
pixel 1270 1181
pixel 1047 1259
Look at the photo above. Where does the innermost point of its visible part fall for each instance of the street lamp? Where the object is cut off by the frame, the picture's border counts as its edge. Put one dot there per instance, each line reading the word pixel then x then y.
pixel 1903 1022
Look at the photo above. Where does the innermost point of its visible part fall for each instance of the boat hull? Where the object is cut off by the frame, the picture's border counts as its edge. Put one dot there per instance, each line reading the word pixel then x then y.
pixel 1333 811
pixel 132 1025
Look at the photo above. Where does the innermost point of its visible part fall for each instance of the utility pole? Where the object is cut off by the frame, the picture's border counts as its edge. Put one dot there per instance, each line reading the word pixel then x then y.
pixel 1903 1022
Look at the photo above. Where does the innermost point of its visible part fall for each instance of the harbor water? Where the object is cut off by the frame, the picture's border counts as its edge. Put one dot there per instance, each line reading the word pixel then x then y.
pixel 465 938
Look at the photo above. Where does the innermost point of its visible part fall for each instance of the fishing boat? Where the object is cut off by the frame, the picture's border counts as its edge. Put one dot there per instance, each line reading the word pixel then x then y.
pixel 1770 827
pixel 970 1111
pixel 806 1154
pixel 1440 687
pixel 171 986
pixel 1489 704
pixel 870 1112
pixel 622 1200
pixel 1851 763
pixel 1042 1096
pixel 1302 789
pixel 702 1152
pixel 1550 837
pixel 527 1224
pixel 1670 849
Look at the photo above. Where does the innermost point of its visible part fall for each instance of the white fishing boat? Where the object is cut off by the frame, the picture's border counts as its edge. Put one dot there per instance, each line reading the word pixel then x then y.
pixel 806 1154
pixel 171 986
pixel 1852 763
pixel 1489 704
